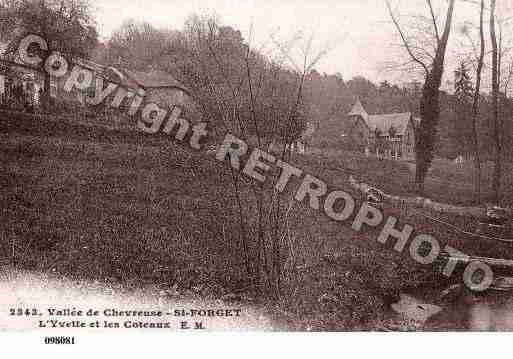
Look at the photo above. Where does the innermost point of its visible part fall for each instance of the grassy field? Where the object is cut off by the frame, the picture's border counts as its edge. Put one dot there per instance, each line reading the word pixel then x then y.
pixel 92 203
pixel 446 182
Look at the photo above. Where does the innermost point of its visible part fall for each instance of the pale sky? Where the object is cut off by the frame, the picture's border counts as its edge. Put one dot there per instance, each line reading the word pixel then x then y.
pixel 358 32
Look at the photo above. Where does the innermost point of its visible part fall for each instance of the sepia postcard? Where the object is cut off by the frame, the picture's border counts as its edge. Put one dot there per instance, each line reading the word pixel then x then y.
pixel 227 166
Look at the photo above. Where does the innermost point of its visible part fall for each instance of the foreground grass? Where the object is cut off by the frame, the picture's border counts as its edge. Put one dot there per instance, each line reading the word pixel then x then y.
pixel 114 208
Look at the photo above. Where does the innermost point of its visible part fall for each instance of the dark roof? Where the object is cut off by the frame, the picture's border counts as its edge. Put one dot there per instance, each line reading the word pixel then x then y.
pixel 154 79
pixel 383 122
pixel 109 72
pixel 358 110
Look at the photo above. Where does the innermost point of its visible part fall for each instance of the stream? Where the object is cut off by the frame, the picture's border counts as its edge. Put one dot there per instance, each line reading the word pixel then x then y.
pixel 491 311
pixel 457 310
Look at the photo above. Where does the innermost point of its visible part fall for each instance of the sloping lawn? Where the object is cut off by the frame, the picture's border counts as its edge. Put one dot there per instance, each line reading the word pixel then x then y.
pixel 112 206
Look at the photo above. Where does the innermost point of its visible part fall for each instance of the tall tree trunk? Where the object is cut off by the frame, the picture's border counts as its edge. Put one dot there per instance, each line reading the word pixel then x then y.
pixel 475 109
pixel 495 105
pixel 429 105
pixel 46 98
pixel 429 113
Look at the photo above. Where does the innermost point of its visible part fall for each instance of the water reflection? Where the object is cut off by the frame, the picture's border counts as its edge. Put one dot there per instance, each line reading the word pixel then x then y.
pixel 492 311
pixel 488 315
pixel 481 317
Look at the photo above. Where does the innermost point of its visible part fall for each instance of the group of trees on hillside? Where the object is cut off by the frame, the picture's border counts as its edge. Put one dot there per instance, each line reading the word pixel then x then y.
pixel 256 98
pixel 331 97
pixel 467 122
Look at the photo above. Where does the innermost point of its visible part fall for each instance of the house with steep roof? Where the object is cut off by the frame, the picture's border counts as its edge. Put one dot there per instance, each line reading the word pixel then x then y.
pixel 384 135
pixel 157 86
pixel 18 85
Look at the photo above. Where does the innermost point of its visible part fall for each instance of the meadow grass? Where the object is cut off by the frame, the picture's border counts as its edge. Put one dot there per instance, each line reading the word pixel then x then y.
pixel 104 205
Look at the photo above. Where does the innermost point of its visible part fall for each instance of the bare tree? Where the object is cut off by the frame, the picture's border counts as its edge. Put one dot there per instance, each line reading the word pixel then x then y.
pixel 433 72
pixel 475 106
pixel 502 73
pixel 259 100
pixel 495 105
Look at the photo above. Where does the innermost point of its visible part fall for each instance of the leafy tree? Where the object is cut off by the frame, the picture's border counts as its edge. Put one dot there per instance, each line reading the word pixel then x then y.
pixel 384 86
pixel 67 25
pixel 135 45
pixel 463 92
pixel 463 88
pixel 362 87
